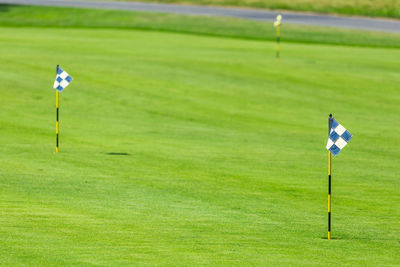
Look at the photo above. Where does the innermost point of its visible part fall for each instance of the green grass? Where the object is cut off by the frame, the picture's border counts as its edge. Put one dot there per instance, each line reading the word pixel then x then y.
pixel 226 163
pixel 16 16
pixel 381 8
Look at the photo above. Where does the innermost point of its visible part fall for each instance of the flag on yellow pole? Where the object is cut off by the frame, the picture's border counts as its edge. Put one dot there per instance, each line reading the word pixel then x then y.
pixel 277 25
pixel 338 139
pixel 63 79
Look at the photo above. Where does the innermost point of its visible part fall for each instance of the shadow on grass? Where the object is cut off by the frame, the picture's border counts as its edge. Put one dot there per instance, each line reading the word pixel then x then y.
pixel 5 7
pixel 118 154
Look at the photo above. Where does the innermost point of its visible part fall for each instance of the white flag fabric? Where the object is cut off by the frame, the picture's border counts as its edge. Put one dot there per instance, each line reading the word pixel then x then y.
pixel 62 79
pixel 338 138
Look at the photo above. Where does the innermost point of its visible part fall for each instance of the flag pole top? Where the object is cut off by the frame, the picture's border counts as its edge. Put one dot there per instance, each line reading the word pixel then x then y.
pixel 278 20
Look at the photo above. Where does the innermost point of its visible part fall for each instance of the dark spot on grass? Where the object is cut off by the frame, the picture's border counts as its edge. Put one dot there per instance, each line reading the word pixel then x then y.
pixel 5 7
pixel 118 154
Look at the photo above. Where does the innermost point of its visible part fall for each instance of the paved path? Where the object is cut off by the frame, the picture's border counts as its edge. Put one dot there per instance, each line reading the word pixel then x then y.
pixel 385 25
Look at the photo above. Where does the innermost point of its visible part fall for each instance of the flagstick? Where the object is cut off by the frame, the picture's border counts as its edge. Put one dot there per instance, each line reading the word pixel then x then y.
pixel 278 40
pixel 329 182
pixel 329 196
pixel 57 102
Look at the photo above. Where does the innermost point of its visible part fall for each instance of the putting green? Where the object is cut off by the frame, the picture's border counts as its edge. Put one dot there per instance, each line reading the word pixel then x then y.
pixel 180 149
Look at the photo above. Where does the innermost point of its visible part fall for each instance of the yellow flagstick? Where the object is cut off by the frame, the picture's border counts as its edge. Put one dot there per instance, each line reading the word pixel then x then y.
pixel 329 196
pixel 329 183
pixel 277 24
pixel 62 81
pixel 57 94
pixel 278 40
pixel 57 129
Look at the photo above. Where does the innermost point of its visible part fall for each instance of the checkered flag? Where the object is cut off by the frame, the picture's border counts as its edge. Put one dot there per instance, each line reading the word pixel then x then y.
pixel 338 137
pixel 62 79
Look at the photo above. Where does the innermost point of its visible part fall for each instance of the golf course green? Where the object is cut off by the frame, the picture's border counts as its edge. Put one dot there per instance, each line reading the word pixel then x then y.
pixel 192 148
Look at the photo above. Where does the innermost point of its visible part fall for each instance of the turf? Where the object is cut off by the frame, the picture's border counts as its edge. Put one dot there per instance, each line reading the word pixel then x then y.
pixel 381 8
pixel 184 149
pixel 50 17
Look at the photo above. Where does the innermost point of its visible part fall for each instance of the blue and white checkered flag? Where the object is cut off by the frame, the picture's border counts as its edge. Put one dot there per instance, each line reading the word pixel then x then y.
pixel 62 79
pixel 338 137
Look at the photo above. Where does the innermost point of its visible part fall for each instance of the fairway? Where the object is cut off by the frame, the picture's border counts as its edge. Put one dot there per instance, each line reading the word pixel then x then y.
pixel 185 149
pixel 381 8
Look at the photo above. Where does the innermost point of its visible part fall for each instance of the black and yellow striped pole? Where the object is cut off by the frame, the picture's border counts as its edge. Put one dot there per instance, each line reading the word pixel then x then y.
pixel 277 24
pixel 57 117
pixel 63 79
pixel 329 181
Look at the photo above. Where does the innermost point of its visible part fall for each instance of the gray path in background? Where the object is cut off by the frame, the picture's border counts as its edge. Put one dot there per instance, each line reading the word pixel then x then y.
pixel 385 25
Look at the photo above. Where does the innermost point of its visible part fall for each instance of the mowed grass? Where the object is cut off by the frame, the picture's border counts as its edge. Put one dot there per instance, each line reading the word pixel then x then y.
pixel 51 17
pixel 226 161
pixel 382 8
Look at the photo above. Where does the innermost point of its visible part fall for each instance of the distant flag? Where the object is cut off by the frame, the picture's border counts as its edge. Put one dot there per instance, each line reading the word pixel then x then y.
pixel 277 25
pixel 62 79
pixel 278 20
pixel 337 140
pixel 338 137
